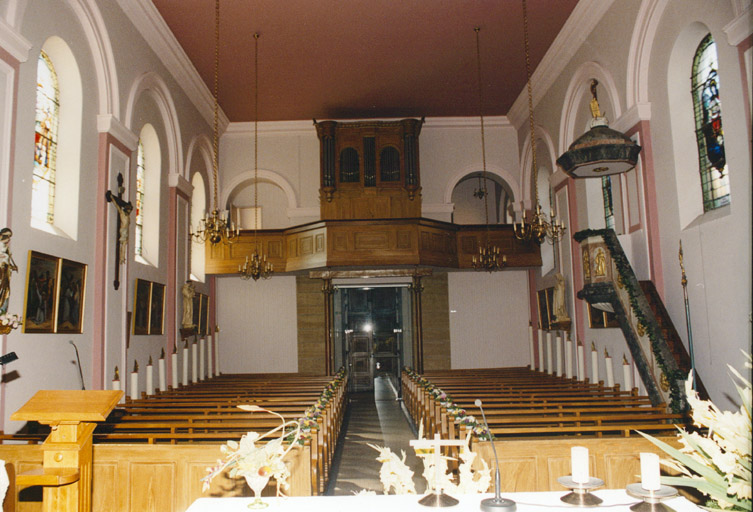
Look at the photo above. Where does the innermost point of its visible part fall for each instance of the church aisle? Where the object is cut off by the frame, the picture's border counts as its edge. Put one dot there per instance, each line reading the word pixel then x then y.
pixel 375 418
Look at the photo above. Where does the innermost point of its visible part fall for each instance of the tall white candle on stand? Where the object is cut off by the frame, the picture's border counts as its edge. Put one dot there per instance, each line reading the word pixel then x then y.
pixel 636 378
pixel 150 377
pixel 174 368
pixel 541 351
pixel 609 368
pixel 202 351
pixel 194 363
pixel 210 368
pixel 559 356
pixel 549 365
pixel 594 364
pixel 650 476
pixel 135 382
pixel 581 361
pixel 579 464
pixel 569 359
pixel 185 364
pixel 530 345
pixel 161 372
pixel 627 373
pixel 216 350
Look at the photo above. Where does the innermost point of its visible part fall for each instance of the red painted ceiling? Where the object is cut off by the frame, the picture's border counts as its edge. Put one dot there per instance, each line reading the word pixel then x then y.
pixel 350 59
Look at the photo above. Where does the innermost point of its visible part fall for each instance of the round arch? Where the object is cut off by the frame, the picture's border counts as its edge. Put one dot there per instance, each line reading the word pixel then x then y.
pixel 263 175
pixel 500 173
pixel 152 84
pixel 200 147
pixel 641 45
pixel 525 191
pixel 579 86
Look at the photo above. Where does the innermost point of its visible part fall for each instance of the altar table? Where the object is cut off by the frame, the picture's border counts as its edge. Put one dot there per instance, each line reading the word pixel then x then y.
pixel 616 500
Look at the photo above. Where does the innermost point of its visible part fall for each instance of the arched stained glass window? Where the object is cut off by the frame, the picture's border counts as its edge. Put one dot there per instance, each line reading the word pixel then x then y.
pixel 139 242
pixel 707 108
pixel 45 142
pixel 606 192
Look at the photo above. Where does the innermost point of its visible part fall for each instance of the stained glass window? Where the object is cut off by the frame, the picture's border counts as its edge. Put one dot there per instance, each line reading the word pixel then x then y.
pixel 139 242
pixel 606 192
pixel 707 108
pixel 45 142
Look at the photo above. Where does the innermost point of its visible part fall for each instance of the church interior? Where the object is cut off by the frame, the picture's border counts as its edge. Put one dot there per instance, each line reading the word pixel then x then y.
pixel 325 202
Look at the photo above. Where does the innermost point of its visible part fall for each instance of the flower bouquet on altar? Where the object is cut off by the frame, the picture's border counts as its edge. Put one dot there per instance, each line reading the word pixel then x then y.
pixel 257 460
pixel 718 464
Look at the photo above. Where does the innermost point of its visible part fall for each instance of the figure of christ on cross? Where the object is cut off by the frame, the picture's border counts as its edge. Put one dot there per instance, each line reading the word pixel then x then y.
pixel 123 223
pixel 437 498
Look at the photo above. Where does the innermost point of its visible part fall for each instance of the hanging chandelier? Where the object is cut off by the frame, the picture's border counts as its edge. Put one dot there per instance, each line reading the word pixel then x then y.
pixel 538 228
pixel 488 257
pixel 257 266
pixel 216 226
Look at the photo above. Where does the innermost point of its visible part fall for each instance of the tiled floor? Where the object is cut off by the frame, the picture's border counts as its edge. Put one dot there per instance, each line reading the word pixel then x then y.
pixel 376 418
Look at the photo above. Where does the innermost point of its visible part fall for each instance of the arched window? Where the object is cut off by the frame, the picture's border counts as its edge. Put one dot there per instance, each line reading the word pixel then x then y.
pixel 45 142
pixel 707 108
pixel 139 223
pixel 198 207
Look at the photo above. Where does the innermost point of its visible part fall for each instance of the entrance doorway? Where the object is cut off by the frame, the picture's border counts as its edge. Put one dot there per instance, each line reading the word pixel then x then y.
pixel 373 332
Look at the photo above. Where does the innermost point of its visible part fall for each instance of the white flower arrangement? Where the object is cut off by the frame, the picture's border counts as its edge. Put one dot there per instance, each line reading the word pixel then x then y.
pixel 718 464
pixel 10 320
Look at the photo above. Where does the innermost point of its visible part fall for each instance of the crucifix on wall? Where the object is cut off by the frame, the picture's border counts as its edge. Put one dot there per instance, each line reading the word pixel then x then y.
pixel 123 222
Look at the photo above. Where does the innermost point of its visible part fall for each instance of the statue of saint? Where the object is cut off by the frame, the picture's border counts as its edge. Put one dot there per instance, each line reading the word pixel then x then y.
pixel 600 263
pixel 7 265
pixel 560 311
pixel 188 293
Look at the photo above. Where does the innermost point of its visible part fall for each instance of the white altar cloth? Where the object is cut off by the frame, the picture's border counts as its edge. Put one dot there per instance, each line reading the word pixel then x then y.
pixel 616 500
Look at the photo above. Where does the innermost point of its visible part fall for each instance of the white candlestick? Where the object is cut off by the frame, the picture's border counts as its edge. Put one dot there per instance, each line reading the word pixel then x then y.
pixel 134 385
pixel 637 378
pixel 594 366
pixel 650 476
pixel 579 464
pixel 194 363
pixel 116 384
pixel 559 356
pixel 581 362
pixel 530 347
pixel 202 351
pixel 210 369
pixel 174 366
pixel 216 352
pixel 161 375
pixel 149 379
pixel 627 376
pixel 610 371
pixel 541 352
pixel 549 365
pixel 569 359
pixel 185 366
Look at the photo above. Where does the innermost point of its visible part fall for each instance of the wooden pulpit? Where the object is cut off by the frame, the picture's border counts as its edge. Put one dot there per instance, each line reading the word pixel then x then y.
pixel 66 475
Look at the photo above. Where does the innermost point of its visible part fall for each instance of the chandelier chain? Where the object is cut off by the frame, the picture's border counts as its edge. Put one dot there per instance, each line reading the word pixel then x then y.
pixel 534 166
pixel 483 137
pixel 256 138
pixel 215 142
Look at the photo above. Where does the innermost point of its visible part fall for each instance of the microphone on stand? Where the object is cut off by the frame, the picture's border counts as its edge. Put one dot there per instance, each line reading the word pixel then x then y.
pixel 78 363
pixel 497 503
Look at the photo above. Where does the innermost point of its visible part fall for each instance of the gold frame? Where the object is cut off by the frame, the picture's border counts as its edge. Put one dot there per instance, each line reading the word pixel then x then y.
pixel 157 293
pixel 50 295
pixel 78 270
pixel 142 289
pixel 542 299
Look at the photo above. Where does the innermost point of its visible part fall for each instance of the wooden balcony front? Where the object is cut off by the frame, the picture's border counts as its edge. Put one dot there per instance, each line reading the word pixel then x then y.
pixel 374 243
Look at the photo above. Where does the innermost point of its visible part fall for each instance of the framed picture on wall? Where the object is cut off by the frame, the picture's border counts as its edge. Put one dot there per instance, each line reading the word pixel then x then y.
pixel 141 296
pixel 550 307
pixel 70 297
pixel 41 293
pixel 598 319
pixel 543 310
pixel 204 316
pixel 157 309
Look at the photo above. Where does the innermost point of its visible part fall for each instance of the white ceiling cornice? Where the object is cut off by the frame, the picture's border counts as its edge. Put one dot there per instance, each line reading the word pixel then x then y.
pixel 577 28
pixel 740 28
pixel 13 42
pixel 152 27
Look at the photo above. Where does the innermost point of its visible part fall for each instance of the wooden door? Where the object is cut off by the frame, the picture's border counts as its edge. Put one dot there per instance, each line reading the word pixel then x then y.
pixel 359 361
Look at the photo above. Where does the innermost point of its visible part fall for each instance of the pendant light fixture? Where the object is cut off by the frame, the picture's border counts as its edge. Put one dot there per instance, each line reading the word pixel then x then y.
pixel 257 266
pixel 488 257
pixel 538 228
pixel 216 226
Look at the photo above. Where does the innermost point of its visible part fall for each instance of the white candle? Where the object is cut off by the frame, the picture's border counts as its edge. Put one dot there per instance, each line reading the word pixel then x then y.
pixel 594 366
pixel 185 366
pixel 174 367
pixel 194 363
pixel 637 378
pixel 650 477
pixel 579 464
pixel 116 384
pixel 569 359
pixel 559 356
pixel 161 375
pixel 202 351
pixel 627 375
pixel 549 365
pixel 530 346
pixel 209 357
pixel 216 352
pixel 541 353
pixel 581 362
pixel 610 371
pixel 149 379
pixel 134 385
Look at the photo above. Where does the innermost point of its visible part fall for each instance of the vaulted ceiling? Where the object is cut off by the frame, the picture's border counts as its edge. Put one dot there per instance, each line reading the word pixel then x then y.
pixel 349 59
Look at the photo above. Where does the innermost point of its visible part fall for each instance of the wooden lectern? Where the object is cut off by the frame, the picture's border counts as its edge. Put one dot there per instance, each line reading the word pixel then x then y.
pixel 67 472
